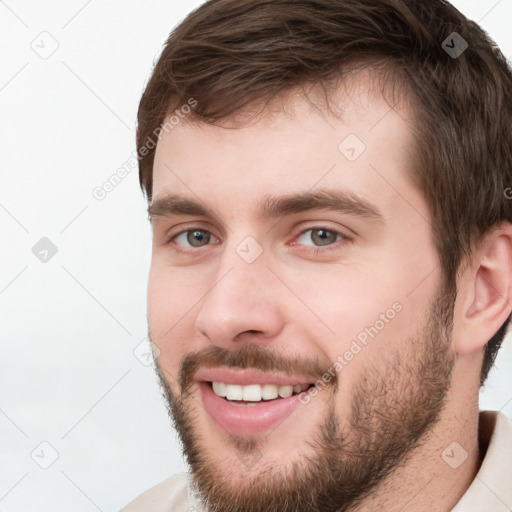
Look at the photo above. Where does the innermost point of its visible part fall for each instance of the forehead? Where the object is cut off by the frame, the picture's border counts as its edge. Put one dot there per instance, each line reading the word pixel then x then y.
pixel 362 144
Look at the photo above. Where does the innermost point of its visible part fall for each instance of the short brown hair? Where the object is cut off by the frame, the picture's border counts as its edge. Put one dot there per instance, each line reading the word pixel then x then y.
pixel 229 54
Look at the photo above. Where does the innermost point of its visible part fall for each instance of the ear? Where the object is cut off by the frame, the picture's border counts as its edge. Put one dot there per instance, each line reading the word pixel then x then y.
pixel 484 295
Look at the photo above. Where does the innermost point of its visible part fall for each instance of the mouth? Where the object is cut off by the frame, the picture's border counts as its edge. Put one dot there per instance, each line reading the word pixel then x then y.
pixel 249 403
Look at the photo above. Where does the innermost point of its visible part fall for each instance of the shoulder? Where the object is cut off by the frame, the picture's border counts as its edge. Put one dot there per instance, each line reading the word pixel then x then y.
pixel 491 489
pixel 169 495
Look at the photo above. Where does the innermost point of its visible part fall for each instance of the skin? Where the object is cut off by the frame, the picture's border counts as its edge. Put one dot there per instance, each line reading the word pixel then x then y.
pixel 307 302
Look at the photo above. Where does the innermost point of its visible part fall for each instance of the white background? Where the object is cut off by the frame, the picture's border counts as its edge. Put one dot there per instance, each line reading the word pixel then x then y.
pixel 69 326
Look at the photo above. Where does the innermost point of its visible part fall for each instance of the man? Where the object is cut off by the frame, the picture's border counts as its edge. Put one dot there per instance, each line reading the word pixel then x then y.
pixel 332 257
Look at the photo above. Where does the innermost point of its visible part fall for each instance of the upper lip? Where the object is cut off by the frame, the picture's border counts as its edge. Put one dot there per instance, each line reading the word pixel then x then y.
pixel 246 377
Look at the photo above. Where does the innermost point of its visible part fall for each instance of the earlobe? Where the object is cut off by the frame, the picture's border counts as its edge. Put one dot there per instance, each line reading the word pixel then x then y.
pixel 485 294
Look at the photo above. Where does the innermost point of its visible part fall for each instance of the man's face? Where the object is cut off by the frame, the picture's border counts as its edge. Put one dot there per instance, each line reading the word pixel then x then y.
pixel 263 291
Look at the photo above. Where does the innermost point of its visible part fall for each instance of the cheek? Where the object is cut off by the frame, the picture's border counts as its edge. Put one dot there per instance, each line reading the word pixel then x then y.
pixel 364 309
pixel 170 314
pixel 346 298
pixel 172 293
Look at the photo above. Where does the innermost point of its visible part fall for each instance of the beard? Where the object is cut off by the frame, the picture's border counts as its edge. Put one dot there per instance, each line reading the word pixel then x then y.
pixel 394 405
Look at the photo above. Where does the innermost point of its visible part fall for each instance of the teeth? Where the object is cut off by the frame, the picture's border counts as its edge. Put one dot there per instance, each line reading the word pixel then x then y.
pixel 269 391
pixel 285 391
pixel 255 392
pixel 234 392
pixel 251 393
pixel 219 388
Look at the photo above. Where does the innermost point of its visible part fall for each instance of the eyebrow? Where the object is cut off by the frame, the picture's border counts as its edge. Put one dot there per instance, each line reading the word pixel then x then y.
pixel 275 206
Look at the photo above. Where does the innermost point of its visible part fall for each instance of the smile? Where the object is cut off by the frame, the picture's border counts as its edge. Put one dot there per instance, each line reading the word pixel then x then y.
pixel 249 403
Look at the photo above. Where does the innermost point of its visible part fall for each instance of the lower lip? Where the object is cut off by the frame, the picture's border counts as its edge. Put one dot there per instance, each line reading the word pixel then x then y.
pixel 247 419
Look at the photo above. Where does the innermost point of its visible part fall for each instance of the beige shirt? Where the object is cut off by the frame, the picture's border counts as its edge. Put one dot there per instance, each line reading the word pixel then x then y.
pixel 491 490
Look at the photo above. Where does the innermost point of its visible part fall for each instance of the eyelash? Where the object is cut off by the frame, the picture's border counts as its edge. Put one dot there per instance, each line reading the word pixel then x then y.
pixel 315 249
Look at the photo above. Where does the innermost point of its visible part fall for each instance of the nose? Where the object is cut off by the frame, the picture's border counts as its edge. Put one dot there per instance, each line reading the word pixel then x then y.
pixel 242 305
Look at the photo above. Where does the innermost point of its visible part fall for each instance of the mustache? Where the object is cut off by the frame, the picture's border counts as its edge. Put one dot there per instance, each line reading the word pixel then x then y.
pixel 252 357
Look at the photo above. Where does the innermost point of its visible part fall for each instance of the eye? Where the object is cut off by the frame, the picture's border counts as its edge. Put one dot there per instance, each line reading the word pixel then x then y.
pixel 320 237
pixel 316 237
pixel 194 237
